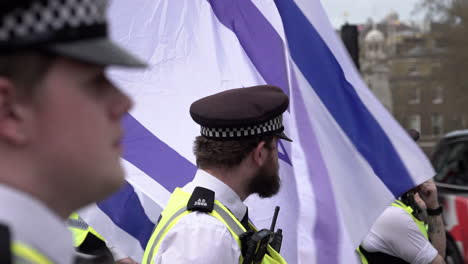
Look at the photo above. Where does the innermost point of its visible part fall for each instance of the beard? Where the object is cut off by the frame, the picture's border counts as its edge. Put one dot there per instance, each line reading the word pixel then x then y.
pixel 266 182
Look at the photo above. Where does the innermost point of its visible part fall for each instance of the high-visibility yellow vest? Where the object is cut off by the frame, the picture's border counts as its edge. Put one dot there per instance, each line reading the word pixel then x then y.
pixel 80 229
pixel 361 256
pixel 421 225
pixel 22 253
pixel 177 208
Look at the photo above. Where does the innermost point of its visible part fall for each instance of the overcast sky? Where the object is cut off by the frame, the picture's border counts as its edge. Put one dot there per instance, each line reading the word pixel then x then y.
pixel 359 10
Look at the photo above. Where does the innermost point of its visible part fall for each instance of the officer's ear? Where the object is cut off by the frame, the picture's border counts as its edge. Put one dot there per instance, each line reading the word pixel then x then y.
pixel 12 114
pixel 260 154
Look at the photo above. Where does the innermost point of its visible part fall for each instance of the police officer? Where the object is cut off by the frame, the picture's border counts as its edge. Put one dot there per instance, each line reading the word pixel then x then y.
pixel 237 156
pixel 88 242
pixel 411 230
pixel 60 119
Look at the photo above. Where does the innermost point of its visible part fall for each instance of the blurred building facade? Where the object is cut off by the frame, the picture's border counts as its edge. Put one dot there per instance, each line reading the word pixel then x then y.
pixel 399 64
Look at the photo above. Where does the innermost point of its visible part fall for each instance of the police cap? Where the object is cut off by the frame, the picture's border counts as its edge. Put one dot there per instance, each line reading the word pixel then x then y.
pixel 71 28
pixel 242 112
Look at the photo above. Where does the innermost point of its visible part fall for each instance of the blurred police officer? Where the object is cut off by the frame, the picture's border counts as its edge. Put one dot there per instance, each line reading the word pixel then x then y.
pixel 411 230
pixel 60 119
pixel 206 221
pixel 90 244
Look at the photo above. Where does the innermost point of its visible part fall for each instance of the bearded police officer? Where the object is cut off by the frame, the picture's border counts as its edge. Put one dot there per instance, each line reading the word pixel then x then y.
pixel 206 221
pixel 60 128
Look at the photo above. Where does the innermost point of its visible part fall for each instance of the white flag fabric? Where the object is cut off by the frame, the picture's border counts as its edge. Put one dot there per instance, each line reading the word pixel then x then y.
pixel 349 158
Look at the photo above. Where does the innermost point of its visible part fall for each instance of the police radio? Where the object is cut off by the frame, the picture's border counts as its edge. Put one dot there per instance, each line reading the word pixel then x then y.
pixel 277 238
pixel 255 243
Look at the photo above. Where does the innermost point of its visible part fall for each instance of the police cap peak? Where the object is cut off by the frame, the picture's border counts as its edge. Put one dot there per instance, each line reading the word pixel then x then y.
pixel 242 112
pixel 71 28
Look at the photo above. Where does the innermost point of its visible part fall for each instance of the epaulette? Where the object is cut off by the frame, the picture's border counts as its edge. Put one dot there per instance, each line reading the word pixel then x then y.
pixel 202 200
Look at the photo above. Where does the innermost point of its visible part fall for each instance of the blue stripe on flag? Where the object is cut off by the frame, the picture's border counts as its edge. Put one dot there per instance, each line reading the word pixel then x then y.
pixel 326 232
pixel 154 157
pixel 257 37
pixel 325 75
pixel 125 210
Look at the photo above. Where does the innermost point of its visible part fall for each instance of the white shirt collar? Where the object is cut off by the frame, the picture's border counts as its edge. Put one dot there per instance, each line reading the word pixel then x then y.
pixel 34 224
pixel 223 193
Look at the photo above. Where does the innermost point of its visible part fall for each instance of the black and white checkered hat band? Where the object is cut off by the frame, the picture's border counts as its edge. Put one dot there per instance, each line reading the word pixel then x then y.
pixel 272 125
pixel 52 15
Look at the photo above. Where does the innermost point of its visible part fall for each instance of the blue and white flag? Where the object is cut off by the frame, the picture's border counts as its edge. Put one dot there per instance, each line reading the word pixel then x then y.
pixel 349 158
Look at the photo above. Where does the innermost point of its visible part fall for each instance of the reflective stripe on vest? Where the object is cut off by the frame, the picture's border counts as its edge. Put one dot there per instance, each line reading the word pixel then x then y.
pixel 177 208
pixel 362 257
pixel 80 229
pixel 25 254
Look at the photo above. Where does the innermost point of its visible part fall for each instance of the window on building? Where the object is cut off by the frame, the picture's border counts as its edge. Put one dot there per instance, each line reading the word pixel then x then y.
pixel 436 67
pixel 415 95
pixel 413 70
pixel 437 123
pixel 414 122
pixel 438 97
